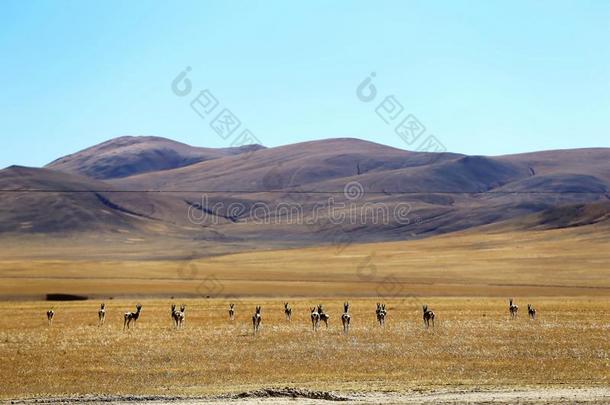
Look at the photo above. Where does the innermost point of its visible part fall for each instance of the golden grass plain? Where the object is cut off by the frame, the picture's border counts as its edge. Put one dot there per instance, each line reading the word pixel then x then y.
pixel 465 277
pixel 474 344
pixel 562 262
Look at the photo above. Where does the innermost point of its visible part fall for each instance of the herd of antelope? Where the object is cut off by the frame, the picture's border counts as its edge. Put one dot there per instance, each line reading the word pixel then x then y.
pixel 317 315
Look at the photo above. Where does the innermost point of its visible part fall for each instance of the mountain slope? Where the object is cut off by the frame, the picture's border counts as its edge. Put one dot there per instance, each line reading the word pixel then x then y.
pixel 289 166
pixel 292 195
pixel 46 201
pixel 129 155
pixel 565 216
pixel 325 165
pixel 586 161
pixel 58 205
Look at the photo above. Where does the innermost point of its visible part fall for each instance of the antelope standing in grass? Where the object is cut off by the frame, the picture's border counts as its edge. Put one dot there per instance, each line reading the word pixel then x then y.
pixel 178 316
pixel 131 317
pixel 50 315
pixel 381 313
pixel 315 318
pixel 287 311
pixel 345 318
pixel 256 319
pixel 512 308
pixel 531 311
pixel 232 312
pixel 323 315
pixel 101 315
pixel 181 316
pixel 428 316
pixel 173 314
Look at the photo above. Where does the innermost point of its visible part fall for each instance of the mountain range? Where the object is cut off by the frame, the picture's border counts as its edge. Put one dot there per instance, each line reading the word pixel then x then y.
pixel 299 194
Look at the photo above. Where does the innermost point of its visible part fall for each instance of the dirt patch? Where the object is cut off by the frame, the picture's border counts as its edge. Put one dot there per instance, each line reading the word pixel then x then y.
pixel 533 396
pixel 289 393
pixel 530 396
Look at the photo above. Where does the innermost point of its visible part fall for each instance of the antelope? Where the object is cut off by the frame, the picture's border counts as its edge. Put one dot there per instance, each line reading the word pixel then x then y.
pixel 323 315
pixel 232 312
pixel 381 313
pixel 428 316
pixel 50 315
pixel 531 311
pixel 256 319
pixel 315 318
pixel 345 318
pixel 173 314
pixel 131 316
pixel 178 316
pixel 512 308
pixel 101 314
pixel 287 311
pixel 181 316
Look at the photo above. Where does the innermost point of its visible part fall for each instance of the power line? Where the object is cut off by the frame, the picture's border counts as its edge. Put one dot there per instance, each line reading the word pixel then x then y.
pixel 295 192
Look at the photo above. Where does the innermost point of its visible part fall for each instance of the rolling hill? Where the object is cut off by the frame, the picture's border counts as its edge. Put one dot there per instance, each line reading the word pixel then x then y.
pixel 47 201
pixel 130 155
pixel 334 191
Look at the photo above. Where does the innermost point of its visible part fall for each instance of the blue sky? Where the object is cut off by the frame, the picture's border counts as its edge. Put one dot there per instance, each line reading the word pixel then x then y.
pixel 485 77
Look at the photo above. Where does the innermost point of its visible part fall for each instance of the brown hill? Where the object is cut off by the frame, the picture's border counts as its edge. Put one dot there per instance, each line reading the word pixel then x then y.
pixel 284 167
pixel 129 155
pixel 565 216
pixel 46 201
pixel 445 192
pixel 50 202
pixel 283 196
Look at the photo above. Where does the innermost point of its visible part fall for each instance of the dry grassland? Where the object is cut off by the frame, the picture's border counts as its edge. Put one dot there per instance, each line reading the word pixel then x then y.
pixel 474 344
pixel 564 262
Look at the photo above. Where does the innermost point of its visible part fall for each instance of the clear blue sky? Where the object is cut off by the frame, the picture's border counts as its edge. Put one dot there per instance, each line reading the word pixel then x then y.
pixel 485 77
